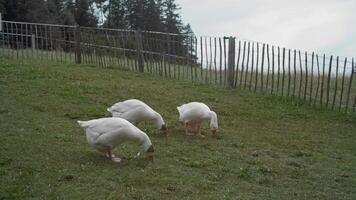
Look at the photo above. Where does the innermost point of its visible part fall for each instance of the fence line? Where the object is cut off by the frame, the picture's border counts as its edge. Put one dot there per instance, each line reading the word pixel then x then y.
pixel 226 61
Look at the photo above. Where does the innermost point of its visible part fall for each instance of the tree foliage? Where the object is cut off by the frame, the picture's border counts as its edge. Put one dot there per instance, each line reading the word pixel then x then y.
pixel 154 15
pixel 50 11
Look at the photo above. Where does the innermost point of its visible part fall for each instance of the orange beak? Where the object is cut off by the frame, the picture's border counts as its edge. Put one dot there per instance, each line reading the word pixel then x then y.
pixel 213 133
pixel 151 157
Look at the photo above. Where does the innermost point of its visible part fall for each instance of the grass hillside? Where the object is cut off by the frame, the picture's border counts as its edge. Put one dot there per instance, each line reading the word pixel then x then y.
pixel 267 147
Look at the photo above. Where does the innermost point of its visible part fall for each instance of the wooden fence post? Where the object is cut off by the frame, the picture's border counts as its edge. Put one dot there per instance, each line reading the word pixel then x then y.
pixel 237 64
pixel 262 65
pixel 252 64
pixel 243 63
pixel 247 63
pixel 268 67
pixel 257 58
pixel 33 42
pixel 231 62
pixel 318 85
pixel 207 59
pixel 350 85
pixel 139 49
pixel 215 69
pixel 342 84
pixel 0 22
pixel 272 86
pixel 78 56
pixel 322 83
pixel 328 83
pixel 201 59
pixel 353 71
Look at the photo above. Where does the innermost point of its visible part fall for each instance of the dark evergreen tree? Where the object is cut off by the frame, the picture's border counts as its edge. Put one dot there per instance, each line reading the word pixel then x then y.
pixel 31 11
pixel 152 16
pixel 84 16
pixel 187 29
pixel 2 7
pixel 134 13
pixel 188 42
pixel 67 10
pixel 15 10
pixel 171 19
pixel 115 17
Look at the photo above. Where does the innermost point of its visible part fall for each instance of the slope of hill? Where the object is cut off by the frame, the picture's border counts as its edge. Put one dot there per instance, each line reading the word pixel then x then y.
pixel 267 147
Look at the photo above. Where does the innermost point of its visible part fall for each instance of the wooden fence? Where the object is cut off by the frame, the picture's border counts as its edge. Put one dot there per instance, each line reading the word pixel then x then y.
pixel 315 79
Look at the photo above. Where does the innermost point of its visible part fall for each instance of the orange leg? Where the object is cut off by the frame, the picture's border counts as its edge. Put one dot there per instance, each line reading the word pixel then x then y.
pixel 183 126
pixel 112 157
pixel 199 131
pixel 186 129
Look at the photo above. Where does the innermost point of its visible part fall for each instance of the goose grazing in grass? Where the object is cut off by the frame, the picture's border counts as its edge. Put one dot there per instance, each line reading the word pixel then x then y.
pixel 136 111
pixel 105 134
pixel 194 113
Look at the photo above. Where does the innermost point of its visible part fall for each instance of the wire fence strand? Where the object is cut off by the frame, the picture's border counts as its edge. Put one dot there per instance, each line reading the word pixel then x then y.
pixel 312 78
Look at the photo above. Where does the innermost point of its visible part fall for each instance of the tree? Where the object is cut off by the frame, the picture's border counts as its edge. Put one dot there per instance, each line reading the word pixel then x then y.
pixel 134 13
pixel 2 7
pixel 171 19
pixel 14 9
pixel 83 14
pixel 152 16
pixel 188 36
pixel 66 12
pixel 31 11
pixel 115 17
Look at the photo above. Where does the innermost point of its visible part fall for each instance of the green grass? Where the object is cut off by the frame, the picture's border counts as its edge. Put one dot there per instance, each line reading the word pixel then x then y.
pixel 311 89
pixel 267 147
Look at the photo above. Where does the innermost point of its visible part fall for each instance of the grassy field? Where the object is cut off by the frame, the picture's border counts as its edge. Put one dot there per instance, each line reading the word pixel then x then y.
pixel 311 89
pixel 267 147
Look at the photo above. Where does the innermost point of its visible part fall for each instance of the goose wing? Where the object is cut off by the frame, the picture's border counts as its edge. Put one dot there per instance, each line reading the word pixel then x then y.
pixel 193 111
pixel 103 125
pixel 126 106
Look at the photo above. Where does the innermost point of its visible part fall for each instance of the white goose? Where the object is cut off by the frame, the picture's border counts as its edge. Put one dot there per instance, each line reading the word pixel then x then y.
pixel 136 111
pixel 194 113
pixel 105 134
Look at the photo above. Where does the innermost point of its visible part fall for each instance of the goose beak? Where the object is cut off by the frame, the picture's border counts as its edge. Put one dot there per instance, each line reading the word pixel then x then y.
pixel 151 157
pixel 213 133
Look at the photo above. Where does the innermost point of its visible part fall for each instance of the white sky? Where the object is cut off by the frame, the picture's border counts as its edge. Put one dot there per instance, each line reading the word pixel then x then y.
pixel 323 26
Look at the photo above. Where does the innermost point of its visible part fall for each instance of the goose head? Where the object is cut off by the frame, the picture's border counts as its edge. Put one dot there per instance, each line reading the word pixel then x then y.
pixel 161 125
pixel 150 153
pixel 164 129
pixel 213 124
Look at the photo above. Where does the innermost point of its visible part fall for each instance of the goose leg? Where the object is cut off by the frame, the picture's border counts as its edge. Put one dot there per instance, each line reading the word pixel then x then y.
pixel 199 131
pixel 112 157
pixel 186 129
pixel 109 154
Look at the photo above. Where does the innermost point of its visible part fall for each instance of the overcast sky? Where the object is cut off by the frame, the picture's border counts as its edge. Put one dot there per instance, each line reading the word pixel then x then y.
pixel 324 26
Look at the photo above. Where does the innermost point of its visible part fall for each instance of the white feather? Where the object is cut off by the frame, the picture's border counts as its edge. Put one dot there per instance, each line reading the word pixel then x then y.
pixel 136 111
pixel 106 133
pixel 196 112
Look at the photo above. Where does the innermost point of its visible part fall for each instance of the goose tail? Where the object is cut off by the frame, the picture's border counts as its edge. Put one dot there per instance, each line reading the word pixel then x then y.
pixel 109 109
pixel 83 124
pixel 179 108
